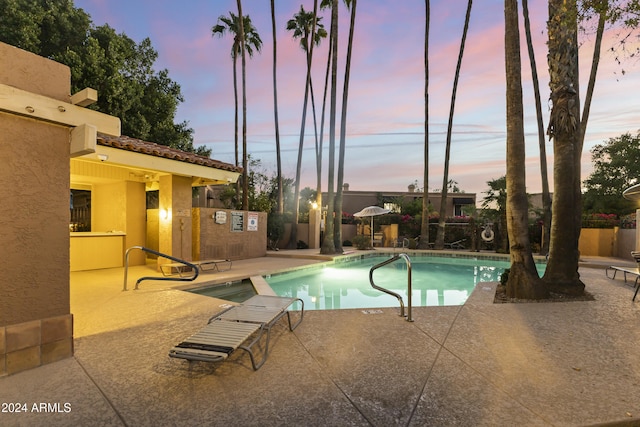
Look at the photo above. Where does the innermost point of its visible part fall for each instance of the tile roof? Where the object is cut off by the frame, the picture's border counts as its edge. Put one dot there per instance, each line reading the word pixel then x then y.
pixel 153 149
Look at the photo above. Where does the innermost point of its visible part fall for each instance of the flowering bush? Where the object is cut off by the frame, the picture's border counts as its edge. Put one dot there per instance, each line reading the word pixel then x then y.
pixel 348 218
pixel 600 220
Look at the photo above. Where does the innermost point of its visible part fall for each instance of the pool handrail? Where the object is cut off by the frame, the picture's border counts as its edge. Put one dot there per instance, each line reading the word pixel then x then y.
pixel 194 268
pixel 373 285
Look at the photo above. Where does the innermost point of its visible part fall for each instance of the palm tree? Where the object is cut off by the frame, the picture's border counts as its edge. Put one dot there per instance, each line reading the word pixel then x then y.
pixel 546 197
pixel 328 246
pixel 245 157
pixel 337 231
pixel 304 25
pixel 424 225
pixel 320 139
pixel 251 42
pixel 275 113
pixel 445 180
pixel 601 8
pixel 523 281
pixel 561 274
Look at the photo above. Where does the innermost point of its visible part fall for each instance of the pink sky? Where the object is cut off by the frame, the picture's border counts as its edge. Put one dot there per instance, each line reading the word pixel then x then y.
pixel 385 113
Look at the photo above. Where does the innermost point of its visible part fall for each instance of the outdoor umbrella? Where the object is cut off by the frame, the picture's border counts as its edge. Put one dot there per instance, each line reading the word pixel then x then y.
pixel 371 211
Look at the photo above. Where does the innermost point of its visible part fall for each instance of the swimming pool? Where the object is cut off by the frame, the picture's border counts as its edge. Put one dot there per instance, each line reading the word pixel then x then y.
pixel 436 281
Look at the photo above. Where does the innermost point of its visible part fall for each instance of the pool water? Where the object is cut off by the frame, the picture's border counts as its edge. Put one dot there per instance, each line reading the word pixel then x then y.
pixel 436 281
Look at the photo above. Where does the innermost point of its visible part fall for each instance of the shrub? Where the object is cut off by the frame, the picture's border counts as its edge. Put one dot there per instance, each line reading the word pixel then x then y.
pixel 504 277
pixel 600 220
pixel 347 243
pixel 348 218
pixel 628 221
pixel 362 242
pixel 275 229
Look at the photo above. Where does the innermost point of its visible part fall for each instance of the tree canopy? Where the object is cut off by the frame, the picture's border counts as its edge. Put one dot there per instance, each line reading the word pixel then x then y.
pixel 120 69
pixel 616 167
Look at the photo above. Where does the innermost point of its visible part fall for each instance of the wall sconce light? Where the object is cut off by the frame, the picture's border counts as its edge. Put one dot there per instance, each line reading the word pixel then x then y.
pixel 164 214
pixel 103 157
pixel 314 205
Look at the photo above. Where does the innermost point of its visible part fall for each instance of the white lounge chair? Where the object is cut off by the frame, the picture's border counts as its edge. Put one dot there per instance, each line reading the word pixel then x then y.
pixel 627 270
pixel 173 268
pixel 455 245
pixel 231 329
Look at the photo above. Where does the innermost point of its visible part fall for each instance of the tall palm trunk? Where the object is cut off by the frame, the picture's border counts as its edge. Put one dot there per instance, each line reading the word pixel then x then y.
pixel 523 279
pixel 245 158
pixel 445 180
pixel 424 225
pixel 280 202
pixel 328 246
pixel 236 124
pixel 337 231
pixel 561 274
pixel 293 239
pixel 544 174
pixel 595 61
pixel 320 144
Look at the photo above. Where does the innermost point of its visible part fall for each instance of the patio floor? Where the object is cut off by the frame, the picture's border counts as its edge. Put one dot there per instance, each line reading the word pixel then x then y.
pixel 481 364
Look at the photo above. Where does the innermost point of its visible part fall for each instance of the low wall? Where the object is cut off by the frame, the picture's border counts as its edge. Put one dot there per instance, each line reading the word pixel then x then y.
pixel 227 234
pixel 607 242
pixel 597 241
pixel 625 243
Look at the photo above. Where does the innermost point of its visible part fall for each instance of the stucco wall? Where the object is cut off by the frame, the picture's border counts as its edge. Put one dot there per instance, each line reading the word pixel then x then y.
pixel 625 243
pixel 121 206
pixel 597 241
pixel 35 319
pixel 217 241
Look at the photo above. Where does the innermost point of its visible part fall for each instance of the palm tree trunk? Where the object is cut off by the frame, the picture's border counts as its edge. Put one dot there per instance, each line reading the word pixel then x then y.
pixel 544 174
pixel 319 147
pixel 424 225
pixel 561 274
pixel 237 145
pixel 445 180
pixel 595 61
pixel 293 239
pixel 280 202
pixel 337 232
pixel 328 246
pixel 523 279
pixel 245 176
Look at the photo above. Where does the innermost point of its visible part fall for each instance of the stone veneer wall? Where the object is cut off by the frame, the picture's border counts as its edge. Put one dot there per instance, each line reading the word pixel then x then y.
pixel 36 326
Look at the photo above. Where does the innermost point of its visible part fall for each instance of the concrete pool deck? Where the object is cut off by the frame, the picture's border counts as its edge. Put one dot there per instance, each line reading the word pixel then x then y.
pixel 560 364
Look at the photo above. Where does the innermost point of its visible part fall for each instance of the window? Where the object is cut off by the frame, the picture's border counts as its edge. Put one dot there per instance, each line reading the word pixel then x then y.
pixel 393 207
pixel 80 210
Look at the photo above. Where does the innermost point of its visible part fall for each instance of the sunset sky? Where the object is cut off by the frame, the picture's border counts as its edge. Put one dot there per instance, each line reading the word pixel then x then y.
pixel 385 119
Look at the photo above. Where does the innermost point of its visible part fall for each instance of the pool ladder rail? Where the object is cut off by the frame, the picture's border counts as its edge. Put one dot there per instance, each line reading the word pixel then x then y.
pixel 373 285
pixel 193 267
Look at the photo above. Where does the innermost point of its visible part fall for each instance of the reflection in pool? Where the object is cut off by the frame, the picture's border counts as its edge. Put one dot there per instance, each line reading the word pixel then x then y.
pixel 436 281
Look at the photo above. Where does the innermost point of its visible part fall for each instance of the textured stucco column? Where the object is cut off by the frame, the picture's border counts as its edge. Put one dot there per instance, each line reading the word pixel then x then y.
pixel 175 217
pixel 36 326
